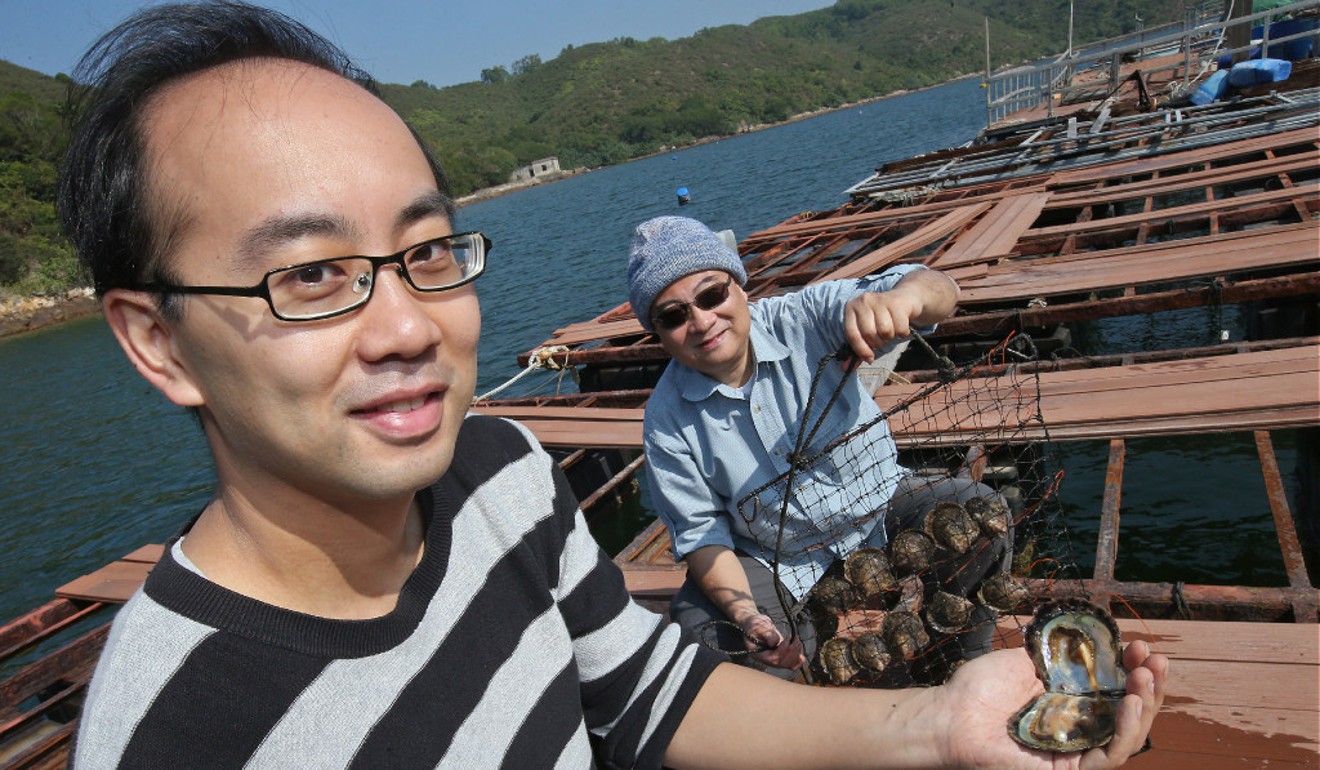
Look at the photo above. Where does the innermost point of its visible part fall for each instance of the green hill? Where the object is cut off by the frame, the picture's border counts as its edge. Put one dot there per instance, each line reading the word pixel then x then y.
pixel 608 102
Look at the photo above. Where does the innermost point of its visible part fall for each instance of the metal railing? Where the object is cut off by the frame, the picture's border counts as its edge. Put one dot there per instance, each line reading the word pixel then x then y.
pixel 1199 37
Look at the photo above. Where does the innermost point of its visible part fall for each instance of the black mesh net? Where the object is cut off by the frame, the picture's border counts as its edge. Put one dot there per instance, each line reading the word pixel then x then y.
pixel 899 581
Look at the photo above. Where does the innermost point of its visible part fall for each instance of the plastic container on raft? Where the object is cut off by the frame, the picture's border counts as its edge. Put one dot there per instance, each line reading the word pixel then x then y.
pixel 1212 88
pixel 1258 71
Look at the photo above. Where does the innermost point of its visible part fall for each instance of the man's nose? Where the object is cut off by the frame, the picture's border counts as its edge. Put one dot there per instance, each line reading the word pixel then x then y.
pixel 395 321
pixel 700 319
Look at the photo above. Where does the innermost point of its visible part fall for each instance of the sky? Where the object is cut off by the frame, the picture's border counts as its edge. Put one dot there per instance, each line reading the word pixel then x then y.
pixel 401 41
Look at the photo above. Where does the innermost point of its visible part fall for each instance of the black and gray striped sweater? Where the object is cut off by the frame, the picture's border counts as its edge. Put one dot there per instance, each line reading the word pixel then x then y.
pixel 511 641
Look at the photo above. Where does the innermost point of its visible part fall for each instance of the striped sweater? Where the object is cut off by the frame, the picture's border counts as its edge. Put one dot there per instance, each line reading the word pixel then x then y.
pixel 512 641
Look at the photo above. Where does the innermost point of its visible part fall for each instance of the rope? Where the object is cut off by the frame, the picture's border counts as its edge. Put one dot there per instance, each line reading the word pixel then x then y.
pixel 1217 305
pixel 1180 607
pixel 541 358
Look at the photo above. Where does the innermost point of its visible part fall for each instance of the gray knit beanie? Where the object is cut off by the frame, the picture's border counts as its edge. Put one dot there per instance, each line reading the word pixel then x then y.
pixel 664 250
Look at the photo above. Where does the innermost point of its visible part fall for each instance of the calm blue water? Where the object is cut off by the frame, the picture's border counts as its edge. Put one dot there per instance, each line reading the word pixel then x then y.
pixel 96 463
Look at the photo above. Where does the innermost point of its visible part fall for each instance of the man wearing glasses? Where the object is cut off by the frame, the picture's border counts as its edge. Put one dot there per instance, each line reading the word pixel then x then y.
pixel 380 580
pixel 722 423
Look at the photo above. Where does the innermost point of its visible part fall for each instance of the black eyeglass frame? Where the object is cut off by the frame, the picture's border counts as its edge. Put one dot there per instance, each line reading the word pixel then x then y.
pixel 686 307
pixel 262 288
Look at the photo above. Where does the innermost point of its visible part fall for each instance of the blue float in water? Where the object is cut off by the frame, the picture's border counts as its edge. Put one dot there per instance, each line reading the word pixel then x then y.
pixel 683 197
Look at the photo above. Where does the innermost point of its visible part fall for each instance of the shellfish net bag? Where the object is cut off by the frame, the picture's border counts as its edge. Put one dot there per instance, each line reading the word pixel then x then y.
pixel 925 572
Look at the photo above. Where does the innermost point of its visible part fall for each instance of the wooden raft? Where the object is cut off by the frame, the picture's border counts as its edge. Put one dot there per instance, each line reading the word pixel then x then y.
pixel 1241 696
pixel 1245 391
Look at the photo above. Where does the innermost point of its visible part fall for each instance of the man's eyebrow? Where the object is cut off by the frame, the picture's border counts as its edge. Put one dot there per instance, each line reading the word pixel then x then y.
pixel 276 231
pixel 434 203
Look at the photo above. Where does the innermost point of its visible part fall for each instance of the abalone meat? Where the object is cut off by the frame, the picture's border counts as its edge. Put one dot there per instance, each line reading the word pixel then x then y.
pixel 948 613
pixel 949 526
pixel 870 652
pixel 904 634
pixel 836 657
pixel 1004 592
pixel 1056 721
pixel 991 514
pixel 868 570
pixel 911 551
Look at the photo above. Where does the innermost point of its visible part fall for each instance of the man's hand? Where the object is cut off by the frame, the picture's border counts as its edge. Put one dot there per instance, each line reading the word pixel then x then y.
pixel 781 652
pixel 984 694
pixel 920 298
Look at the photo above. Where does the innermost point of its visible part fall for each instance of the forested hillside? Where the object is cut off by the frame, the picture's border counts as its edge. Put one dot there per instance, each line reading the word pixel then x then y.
pixel 607 102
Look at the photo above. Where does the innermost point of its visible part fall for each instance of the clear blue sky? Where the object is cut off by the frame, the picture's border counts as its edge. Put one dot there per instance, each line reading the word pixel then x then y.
pixel 400 41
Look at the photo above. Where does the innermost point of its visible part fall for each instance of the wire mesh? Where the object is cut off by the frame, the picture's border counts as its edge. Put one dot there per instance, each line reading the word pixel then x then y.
pixel 933 561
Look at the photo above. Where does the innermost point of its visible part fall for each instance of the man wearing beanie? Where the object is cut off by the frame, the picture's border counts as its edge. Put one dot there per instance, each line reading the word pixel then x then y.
pixel 723 419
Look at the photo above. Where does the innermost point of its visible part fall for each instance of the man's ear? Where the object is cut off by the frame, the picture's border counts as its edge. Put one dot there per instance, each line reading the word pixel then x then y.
pixel 149 341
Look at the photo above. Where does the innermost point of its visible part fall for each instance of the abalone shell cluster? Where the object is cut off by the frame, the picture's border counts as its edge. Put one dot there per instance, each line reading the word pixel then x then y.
pixel 1075 647
pixel 891 580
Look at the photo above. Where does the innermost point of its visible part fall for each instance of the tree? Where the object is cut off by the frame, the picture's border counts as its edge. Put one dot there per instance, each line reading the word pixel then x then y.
pixel 496 74
pixel 526 64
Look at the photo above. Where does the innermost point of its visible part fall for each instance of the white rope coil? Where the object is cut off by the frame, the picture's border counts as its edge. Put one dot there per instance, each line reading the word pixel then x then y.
pixel 541 358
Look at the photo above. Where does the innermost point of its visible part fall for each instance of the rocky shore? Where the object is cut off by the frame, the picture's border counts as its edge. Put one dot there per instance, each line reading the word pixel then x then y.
pixel 24 314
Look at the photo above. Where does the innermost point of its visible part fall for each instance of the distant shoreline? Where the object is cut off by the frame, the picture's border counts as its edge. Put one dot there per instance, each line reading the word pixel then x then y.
pixel 28 314
pixel 504 189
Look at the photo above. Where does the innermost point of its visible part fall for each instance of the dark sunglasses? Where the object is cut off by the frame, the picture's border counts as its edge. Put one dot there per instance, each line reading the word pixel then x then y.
pixel 678 313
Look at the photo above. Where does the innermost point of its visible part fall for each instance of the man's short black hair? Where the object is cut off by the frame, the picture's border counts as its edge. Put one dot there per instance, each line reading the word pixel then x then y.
pixel 102 199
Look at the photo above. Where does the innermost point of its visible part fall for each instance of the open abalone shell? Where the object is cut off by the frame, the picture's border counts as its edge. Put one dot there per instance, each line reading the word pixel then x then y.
pixel 1056 721
pixel 1075 647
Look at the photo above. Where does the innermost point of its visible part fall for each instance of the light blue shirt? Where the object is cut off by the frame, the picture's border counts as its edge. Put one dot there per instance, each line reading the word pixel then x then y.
pixel 709 446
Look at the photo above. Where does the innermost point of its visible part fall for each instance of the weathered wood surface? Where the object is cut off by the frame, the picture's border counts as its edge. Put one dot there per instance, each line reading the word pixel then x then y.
pixel 1246 391
pixel 1262 389
pixel 116 581
pixel 1000 217
pixel 996 232
pixel 1166 261
pixel 1220 154
pixel 1180 182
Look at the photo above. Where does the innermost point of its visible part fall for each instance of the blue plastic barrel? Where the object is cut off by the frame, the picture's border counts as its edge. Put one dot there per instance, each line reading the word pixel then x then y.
pixel 1245 74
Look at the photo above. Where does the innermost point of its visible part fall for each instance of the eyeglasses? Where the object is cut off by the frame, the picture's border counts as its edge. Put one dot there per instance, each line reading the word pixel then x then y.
pixel 678 313
pixel 326 288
